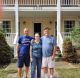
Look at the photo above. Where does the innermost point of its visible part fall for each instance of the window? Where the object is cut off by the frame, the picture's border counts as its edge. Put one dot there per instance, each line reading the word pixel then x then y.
pixel 68 25
pixel 6 26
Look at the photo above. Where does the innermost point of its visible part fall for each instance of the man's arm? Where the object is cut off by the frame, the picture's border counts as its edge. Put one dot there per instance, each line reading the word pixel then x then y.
pixel 54 48
pixel 54 53
pixel 17 50
pixel 31 53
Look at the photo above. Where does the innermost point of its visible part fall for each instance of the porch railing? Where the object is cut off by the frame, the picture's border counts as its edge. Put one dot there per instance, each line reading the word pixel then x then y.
pixel 41 2
pixel 29 2
pixel 70 2
pixel 37 2
pixel 10 38
pixel 66 35
pixel 7 2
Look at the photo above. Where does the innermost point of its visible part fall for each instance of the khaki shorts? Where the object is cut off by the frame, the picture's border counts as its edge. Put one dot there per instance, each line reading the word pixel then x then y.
pixel 48 62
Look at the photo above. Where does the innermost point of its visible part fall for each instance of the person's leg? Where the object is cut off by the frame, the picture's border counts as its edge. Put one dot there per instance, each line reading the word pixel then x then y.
pixel 51 65
pixel 33 67
pixel 19 72
pixel 39 63
pixel 45 70
pixel 27 64
pixel 45 66
pixel 51 72
pixel 26 71
pixel 20 65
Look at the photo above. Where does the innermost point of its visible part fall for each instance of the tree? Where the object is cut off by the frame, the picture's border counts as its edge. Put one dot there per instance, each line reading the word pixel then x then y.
pixel 5 50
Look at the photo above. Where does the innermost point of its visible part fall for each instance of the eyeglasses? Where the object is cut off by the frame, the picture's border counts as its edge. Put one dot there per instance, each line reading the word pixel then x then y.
pixel 36 36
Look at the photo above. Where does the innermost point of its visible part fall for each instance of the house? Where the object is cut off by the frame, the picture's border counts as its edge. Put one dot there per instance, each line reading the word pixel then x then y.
pixel 59 15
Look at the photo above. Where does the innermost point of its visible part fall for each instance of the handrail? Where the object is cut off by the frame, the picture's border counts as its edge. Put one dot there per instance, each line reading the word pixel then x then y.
pixel 15 39
pixel 60 42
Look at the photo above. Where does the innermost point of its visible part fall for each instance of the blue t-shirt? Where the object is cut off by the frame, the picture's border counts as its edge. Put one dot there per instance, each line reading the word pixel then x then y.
pixel 48 44
pixel 24 42
pixel 36 49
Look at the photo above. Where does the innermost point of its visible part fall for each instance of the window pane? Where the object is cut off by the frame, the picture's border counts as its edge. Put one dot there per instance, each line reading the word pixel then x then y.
pixel 68 25
pixel 7 26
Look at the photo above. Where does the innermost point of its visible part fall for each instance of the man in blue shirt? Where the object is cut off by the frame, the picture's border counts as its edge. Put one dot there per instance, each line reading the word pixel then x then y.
pixel 22 52
pixel 48 52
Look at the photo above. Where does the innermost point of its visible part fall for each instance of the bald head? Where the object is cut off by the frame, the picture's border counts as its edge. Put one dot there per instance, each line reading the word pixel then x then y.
pixel 26 31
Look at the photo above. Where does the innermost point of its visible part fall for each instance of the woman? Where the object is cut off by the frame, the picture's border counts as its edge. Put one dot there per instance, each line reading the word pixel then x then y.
pixel 36 56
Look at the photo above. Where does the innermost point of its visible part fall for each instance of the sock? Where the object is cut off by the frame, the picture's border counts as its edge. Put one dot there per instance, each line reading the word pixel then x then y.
pixel 46 75
pixel 51 76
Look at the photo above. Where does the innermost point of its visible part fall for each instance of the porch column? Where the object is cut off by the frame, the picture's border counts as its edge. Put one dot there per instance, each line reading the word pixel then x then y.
pixel 16 25
pixel 58 19
pixel 16 17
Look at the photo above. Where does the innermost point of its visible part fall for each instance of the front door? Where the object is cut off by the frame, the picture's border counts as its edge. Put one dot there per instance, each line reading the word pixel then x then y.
pixel 37 28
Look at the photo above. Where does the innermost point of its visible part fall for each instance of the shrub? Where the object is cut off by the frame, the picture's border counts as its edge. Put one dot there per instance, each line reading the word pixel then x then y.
pixel 69 53
pixel 5 50
pixel 75 35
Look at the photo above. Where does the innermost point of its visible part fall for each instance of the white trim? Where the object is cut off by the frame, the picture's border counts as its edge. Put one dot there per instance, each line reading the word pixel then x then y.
pixel 37 9
pixel 42 9
pixel 8 8
pixel 70 8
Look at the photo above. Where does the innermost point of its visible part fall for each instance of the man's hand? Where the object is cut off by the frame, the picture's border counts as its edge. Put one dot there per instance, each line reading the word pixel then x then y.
pixel 17 55
pixel 31 60
pixel 53 58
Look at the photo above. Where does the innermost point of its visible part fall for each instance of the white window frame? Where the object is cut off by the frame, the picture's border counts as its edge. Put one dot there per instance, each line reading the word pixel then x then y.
pixel 10 24
pixel 69 28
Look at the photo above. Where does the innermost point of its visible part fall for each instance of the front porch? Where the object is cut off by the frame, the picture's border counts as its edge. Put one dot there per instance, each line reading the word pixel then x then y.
pixel 44 18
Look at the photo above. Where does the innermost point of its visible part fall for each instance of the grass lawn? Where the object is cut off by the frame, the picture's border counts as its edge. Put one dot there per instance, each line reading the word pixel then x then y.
pixel 11 71
pixel 68 73
pixel 4 73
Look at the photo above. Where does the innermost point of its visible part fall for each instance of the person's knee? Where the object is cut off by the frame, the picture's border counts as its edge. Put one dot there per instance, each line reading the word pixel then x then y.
pixel 51 71
pixel 20 64
pixel 45 70
pixel 33 69
pixel 19 69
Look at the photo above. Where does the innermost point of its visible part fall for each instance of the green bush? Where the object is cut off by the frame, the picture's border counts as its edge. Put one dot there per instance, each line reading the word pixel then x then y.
pixel 5 50
pixel 75 35
pixel 69 52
